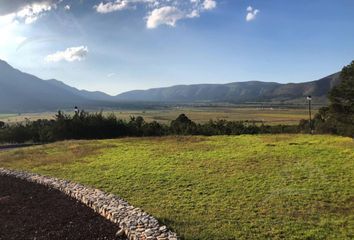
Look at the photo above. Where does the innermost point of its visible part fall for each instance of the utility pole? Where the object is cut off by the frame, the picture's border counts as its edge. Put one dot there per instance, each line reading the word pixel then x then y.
pixel 309 99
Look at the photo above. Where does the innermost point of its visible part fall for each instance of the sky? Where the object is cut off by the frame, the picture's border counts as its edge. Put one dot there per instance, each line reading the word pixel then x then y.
pixel 120 45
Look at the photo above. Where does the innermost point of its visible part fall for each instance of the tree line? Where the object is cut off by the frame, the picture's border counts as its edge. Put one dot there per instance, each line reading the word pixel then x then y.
pixel 84 125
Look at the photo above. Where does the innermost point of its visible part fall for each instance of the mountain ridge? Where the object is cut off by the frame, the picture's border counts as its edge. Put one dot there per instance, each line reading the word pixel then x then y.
pixel 235 91
pixel 94 95
pixel 20 91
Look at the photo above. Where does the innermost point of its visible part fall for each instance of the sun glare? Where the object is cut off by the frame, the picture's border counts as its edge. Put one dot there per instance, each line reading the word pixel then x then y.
pixel 9 31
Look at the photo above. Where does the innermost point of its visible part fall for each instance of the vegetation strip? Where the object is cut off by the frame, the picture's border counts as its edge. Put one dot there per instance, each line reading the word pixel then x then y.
pixel 133 222
pixel 12 146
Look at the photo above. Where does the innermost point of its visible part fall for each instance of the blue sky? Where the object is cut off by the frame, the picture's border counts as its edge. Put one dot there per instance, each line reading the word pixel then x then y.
pixel 121 45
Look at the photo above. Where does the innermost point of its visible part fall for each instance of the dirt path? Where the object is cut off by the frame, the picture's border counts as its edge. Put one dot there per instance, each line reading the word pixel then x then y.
pixel 32 211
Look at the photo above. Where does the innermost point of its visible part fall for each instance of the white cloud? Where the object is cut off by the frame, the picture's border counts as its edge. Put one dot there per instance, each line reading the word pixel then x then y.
pixel 251 14
pixel 165 15
pixel 67 7
pixel 27 11
pixel 111 6
pixel 161 12
pixel 14 6
pixel 209 4
pixel 169 15
pixel 32 12
pixel 195 13
pixel 70 55
pixel 118 5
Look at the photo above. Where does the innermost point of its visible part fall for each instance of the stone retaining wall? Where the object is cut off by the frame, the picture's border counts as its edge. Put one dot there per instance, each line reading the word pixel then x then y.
pixel 133 223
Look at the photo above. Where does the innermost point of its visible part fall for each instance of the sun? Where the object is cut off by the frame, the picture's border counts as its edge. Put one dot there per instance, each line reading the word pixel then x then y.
pixel 9 31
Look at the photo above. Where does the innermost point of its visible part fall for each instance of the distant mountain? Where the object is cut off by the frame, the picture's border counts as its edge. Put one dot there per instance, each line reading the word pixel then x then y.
pixel 22 92
pixel 237 92
pixel 95 95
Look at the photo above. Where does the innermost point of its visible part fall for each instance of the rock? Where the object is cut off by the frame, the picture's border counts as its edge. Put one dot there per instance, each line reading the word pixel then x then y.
pixel 163 228
pixel 120 233
pixel 148 232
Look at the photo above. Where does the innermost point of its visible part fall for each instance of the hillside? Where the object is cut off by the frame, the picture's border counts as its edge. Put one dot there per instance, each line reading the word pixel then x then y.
pixel 95 95
pixel 237 92
pixel 20 91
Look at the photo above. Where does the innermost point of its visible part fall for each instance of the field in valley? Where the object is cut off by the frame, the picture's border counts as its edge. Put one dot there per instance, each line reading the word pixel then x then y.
pixel 197 114
pixel 223 187
pixel 204 114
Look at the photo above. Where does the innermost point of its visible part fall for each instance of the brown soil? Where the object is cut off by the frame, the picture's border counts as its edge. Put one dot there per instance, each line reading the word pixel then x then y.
pixel 32 211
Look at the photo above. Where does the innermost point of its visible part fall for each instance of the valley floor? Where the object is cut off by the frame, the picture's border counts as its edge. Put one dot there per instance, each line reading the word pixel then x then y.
pixel 223 187
pixel 267 115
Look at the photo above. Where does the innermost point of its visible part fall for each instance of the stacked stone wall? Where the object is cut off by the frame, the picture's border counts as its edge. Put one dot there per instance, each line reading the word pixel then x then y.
pixel 133 223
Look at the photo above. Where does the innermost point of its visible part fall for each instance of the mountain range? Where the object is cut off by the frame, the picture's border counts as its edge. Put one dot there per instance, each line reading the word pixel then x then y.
pixel 23 92
pixel 236 92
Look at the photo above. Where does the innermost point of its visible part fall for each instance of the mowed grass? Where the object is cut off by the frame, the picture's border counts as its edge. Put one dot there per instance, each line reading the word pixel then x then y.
pixel 223 187
pixel 197 114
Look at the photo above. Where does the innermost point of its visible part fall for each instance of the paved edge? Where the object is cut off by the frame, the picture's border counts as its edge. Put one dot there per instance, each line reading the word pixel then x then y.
pixel 133 223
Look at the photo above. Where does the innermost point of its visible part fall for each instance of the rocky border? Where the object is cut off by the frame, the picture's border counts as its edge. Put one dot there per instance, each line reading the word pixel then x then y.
pixel 133 223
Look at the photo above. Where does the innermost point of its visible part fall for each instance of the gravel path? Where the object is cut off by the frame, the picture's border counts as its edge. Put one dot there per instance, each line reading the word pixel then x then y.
pixel 32 211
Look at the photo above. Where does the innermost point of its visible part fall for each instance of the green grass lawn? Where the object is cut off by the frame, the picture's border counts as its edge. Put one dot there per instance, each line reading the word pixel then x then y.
pixel 237 187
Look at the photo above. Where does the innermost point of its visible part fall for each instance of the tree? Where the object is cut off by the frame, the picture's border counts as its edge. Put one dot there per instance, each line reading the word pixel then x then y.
pixel 342 101
pixel 183 125
pixel 324 121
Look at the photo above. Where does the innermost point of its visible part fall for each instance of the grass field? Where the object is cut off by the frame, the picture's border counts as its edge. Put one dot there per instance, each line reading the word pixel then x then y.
pixel 197 114
pixel 237 187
